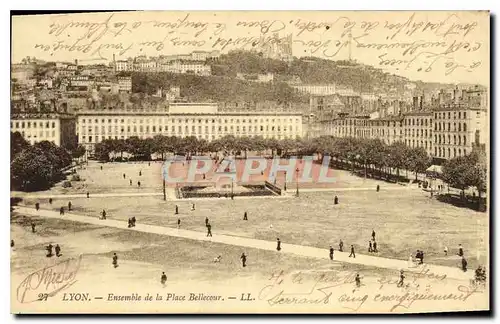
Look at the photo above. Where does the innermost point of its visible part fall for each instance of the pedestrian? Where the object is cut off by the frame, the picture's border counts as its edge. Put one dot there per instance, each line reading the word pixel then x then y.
pixel 375 247
pixel 129 223
pixel 209 230
pixel 193 207
pixel 61 211
pixel 331 252
pixel 445 251
pixel 163 279
pixel 101 167
pixel 460 250
pixel 410 261
pixel 138 184
pixel 206 221
pixel 401 281
pixel 11 243
pixel 149 163
pixel 33 227
pixel 352 252
pixel 88 194
pixel 341 246
pixel 245 216
pixel 243 258
pixel 130 181
pixel 37 206
pixel 115 260
pixel 204 177
pixel 50 201
pixel 49 250
pixel 176 210
pixel 124 176
pixel 373 235
pixel 278 247
pixel 133 221
pixel 69 206
pixel 464 264
pixel 357 279
pixel 58 250
pixel 178 223
pixel 336 200
pixel 378 188
pixel 421 257
pixel 140 173
pixel 232 196
pixel 370 247
pixel 103 214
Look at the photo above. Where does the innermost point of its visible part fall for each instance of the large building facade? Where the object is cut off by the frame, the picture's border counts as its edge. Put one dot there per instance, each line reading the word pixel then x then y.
pixel 184 119
pixel 54 127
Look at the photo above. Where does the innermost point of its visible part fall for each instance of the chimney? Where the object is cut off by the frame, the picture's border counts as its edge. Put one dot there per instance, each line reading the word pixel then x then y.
pixel 76 62
pixel 456 95
pixel 422 102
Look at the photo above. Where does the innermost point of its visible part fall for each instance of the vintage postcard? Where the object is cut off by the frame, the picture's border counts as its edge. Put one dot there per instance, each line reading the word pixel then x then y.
pixel 250 162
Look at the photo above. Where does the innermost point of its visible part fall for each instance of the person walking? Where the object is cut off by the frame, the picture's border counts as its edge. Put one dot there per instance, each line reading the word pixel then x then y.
pixel 176 210
pixel 401 281
pixel 129 223
pixel 88 194
pixel 278 246
pixel 352 252
pixel 49 250
pixel 115 260
pixel 331 252
pixel 209 230
pixel 33 227
pixel 101 167
pixel 370 249
pixel 178 223
pixel 193 207
pixel 243 258
pixel 206 221
pixel 336 200
pixel 50 201
pixel 140 173
pixel 37 206
pixel 375 246
pixel 445 251
pixel 245 216
pixel 138 184
pixel 58 250
pixel 69 206
pixel 133 221
pixel 373 235
pixel 460 250
pixel 12 243
pixel 124 176
pixel 341 246
pixel 464 264
pixel 103 214
pixel 61 211
pixel 130 181
pixel 357 279
pixel 163 279
pixel 378 188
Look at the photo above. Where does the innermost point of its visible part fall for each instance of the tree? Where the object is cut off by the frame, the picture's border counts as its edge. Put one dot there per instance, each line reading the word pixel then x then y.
pixel 78 152
pixel 418 160
pixel 17 144
pixel 32 169
pixel 456 172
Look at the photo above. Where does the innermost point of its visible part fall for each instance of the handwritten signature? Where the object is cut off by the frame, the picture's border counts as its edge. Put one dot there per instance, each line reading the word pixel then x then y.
pixel 47 282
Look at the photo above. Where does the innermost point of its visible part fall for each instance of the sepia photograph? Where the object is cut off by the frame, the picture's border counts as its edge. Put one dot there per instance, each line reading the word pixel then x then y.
pixel 250 162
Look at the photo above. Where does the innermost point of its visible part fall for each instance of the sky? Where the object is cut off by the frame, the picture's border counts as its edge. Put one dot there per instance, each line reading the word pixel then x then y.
pixel 432 46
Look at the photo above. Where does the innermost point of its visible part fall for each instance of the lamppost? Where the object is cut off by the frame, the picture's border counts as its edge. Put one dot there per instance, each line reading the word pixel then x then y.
pixel 297 171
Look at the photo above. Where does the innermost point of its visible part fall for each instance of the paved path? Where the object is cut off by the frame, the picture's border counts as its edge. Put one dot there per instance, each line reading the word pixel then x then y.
pixel 300 250
pixel 171 193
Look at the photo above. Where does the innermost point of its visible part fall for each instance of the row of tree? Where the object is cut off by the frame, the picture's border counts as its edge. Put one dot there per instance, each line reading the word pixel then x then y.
pixel 38 166
pixel 467 171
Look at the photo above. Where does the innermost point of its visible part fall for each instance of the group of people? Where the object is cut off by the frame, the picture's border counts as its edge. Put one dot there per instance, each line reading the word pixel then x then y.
pixel 131 222
pixel 372 244
pixel 57 250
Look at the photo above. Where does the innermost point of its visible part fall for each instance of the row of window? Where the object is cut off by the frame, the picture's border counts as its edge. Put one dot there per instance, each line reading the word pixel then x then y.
pixel 439 126
pixel 97 138
pixel 419 132
pixel 48 134
pixel 160 129
pixel 29 124
pixel 441 153
pixel 456 139
pixel 186 120
pixel 413 143
pixel 417 122
pixel 442 115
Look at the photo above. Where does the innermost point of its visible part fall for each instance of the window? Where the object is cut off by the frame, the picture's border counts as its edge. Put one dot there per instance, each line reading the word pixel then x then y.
pixel 465 127
pixel 53 125
pixel 465 141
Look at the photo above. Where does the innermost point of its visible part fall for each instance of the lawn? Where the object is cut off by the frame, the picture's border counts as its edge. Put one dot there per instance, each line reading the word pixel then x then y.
pixel 404 220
